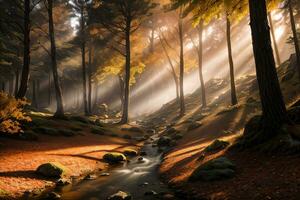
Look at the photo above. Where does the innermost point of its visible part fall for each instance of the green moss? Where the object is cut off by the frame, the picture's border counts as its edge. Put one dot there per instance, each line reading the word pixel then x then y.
pixel 114 157
pixel 52 170
pixel 217 169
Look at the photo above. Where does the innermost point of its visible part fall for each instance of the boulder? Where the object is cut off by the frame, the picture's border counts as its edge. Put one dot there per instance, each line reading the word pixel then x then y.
pixel 216 146
pixel 130 152
pixel 51 170
pixel 120 196
pixel 63 182
pixel 214 170
pixel 164 141
pixel 194 126
pixel 114 157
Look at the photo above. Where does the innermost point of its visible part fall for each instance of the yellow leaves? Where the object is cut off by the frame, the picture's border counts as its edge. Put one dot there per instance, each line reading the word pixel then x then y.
pixel 11 113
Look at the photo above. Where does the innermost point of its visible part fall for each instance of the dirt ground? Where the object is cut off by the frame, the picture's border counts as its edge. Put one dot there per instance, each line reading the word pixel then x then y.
pixel 258 176
pixel 80 154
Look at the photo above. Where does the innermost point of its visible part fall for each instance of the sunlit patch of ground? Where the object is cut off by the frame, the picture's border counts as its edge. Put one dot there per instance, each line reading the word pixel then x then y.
pixel 81 154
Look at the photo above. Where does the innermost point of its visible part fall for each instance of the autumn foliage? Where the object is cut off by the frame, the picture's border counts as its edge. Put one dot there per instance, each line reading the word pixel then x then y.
pixel 11 114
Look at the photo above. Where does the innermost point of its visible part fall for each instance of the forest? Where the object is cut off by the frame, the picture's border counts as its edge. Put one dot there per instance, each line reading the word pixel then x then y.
pixel 149 99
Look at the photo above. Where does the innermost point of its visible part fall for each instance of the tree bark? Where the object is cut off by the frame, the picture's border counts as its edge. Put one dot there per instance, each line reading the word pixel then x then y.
pixel 277 56
pixel 174 75
pixel 34 99
pixel 127 73
pixel 181 66
pixel 59 99
pixel 121 84
pixel 273 107
pixel 295 38
pixel 200 64
pixel 230 59
pixel 26 55
pixel 17 80
pixel 49 89
pixel 84 74
pixel 3 86
pixel 90 77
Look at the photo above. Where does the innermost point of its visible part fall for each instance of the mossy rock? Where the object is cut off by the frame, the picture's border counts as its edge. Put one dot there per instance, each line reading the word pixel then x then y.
pixel 194 126
pixel 216 146
pixel 114 157
pixel 76 129
pixel 46 131
pixel 130 152
pixel 214 170
pixel 164 141
pixel 97 131
pixel 51 170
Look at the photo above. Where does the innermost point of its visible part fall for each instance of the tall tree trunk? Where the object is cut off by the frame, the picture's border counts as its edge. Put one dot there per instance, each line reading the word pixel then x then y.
pixel 121 84
pixel 96 95
pixel 127 73
pixel 230 59
pixel 295 38
pixel 173 72
pixel 17 80
pixel 181 66
pixel 3 86
pixel 277 56
pixel 84 74
pixel 90 77
pixel 273 107
pixel 11 86
pixel 200 64
pixel 34 99
pixel 49 89
pixel 59 99
pixel 26 55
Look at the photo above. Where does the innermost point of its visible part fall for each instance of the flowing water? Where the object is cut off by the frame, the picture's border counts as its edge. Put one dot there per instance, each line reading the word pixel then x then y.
pixel 135 177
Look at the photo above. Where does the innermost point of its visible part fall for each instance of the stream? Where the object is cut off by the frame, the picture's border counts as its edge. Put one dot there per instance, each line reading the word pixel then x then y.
pixel 134 177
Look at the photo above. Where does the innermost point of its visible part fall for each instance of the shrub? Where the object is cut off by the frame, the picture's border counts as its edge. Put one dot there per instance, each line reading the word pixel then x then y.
pixel 12 114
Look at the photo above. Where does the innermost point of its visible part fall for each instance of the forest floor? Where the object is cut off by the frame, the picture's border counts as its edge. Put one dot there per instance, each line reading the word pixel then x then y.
pixel 258 175
pixel 81 154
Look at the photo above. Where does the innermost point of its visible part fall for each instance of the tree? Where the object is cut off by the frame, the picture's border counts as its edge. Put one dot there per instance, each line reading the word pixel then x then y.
pixel 273 106
pixel 59 100
pixel 122 18
pixel 294 30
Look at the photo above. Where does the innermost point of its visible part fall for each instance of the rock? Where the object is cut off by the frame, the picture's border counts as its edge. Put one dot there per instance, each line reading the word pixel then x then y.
pixel 151 131
pixel 98 123
pixel 63 182
pixel 81 119
pixel 193 126
pixel 97 131
pixel 217 169
pixel 105 174
pixel 120 196
pixel 90 177
pixel 130 152
pixel 145 184
pixel 164 141
pixel 168 196
pixel 53 196
pixel 114 157
pixel 135 129
pixel 150 193
pixel 103 108
pixel 51 170
pixel 141 160
pixel 143 153
pixel 217 145
pixel 177 136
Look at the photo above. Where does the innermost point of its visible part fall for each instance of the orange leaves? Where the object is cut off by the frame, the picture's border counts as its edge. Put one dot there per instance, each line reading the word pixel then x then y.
pixel 11 114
